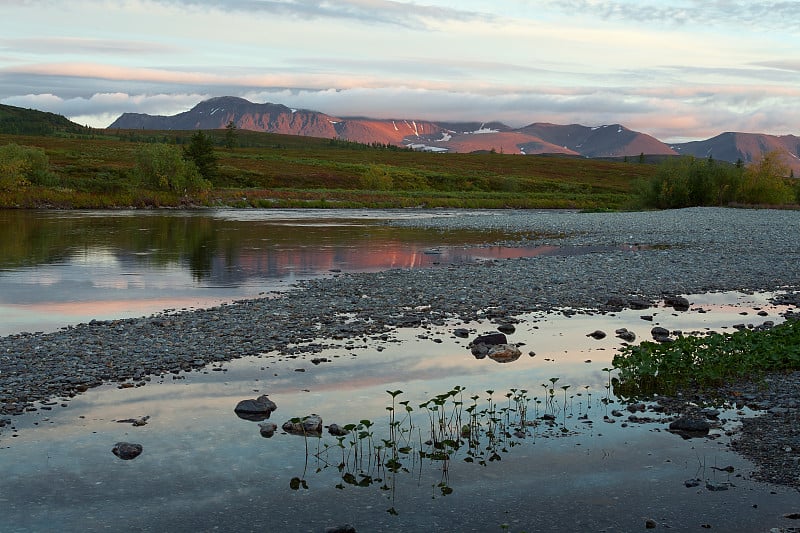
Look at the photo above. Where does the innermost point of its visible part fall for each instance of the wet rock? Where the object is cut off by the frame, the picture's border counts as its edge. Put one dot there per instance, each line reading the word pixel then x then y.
pixel 461 333
pixel 636 407
pixel 638 304
pixel 691 483
pixel 267 429
pixel 310 425
pixel 482 344
pixel 255 409
pixel 688 427
pixel 597 334
pixel 625 334
pixel 504 353
pixel 679 303
pixel 491 338
pixel 660 334
pixel 126 450
pixel 337 431
pixel 506 328
pixel 136 422
pixel 650 523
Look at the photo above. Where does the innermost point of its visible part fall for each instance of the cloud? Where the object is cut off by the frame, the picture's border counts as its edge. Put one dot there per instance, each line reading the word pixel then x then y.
pixel 710 13
pixel 97 109
pixel 388 12
pixel 668 115
pixel 66 45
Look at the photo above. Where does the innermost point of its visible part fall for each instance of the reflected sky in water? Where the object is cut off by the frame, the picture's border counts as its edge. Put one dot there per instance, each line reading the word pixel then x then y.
pixel 203 468
pixel 59 268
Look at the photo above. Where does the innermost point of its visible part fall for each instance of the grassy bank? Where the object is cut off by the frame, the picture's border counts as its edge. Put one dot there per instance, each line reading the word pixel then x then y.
pixel 268 170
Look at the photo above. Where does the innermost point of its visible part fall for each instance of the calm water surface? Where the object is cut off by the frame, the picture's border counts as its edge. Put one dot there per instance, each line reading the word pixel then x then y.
pixel 59 268
pixel 205 469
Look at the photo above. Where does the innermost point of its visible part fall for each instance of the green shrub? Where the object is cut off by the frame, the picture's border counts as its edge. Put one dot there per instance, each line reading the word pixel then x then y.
pixel 688 182
pixel 162 167
pixel 376 178
pixel 23 165
pixel 764 182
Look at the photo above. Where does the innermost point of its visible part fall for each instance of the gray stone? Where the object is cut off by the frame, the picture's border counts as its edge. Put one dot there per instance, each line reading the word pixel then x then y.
pixel 310 425
pixel 255 409
pixel 337 431
pixel 126 450
pixel 688 427
pixel 267 429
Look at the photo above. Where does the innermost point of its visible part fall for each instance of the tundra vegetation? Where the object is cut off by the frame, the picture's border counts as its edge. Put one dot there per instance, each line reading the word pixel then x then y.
pixel 689 182
pixel 48 161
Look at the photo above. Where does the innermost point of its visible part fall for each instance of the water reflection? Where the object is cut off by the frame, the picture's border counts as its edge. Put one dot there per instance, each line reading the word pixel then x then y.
pixel 202 467
pixel 117 264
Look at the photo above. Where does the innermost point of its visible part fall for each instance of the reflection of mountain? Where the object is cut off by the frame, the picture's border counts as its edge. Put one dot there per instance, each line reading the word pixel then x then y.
pixel 287 262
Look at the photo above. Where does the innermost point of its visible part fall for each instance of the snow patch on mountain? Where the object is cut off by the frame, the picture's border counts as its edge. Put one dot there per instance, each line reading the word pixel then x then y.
pixel 482 130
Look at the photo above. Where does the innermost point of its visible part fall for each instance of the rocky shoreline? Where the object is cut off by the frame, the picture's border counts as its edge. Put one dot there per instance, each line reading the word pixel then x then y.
pixel 644 257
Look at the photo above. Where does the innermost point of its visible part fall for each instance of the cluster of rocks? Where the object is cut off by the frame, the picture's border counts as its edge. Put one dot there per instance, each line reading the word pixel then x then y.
pixel 261 408
pixel 771 439
pixel 495 346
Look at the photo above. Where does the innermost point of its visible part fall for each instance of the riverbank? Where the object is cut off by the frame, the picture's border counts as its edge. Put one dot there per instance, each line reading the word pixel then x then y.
pixel 644 257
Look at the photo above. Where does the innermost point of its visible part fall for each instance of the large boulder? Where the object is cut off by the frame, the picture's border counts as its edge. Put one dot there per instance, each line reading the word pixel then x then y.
pixel 257 409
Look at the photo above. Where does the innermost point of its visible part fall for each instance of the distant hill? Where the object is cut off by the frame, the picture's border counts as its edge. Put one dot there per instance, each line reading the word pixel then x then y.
pixel 609 141
pixel 20 121
pixel 747 147
pixel 215 113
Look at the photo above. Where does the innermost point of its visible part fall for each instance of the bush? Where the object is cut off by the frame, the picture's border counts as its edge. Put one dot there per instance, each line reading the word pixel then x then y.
pixel 376 178
pixel 23 165
pixel 764 182
pixel 162 167
pixel 689 182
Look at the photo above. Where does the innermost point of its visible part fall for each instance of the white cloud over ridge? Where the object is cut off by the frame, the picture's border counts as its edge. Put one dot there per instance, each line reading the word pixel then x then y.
pixel 677 69
pixel 673 117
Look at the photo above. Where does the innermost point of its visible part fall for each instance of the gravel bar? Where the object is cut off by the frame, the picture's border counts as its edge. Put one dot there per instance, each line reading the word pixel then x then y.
pixel 636 257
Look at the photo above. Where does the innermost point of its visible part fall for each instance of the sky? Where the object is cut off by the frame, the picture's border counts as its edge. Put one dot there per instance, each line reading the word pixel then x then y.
pixel 676 69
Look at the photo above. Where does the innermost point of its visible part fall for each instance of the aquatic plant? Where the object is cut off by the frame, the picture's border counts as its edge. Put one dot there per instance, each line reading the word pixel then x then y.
pixel 480 432
pixel 706 361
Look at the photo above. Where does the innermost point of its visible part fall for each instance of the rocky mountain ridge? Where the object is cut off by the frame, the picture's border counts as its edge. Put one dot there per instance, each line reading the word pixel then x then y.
pixel 613 140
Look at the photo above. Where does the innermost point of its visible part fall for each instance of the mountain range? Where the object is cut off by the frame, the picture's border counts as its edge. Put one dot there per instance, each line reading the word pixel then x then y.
pixel 608 141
